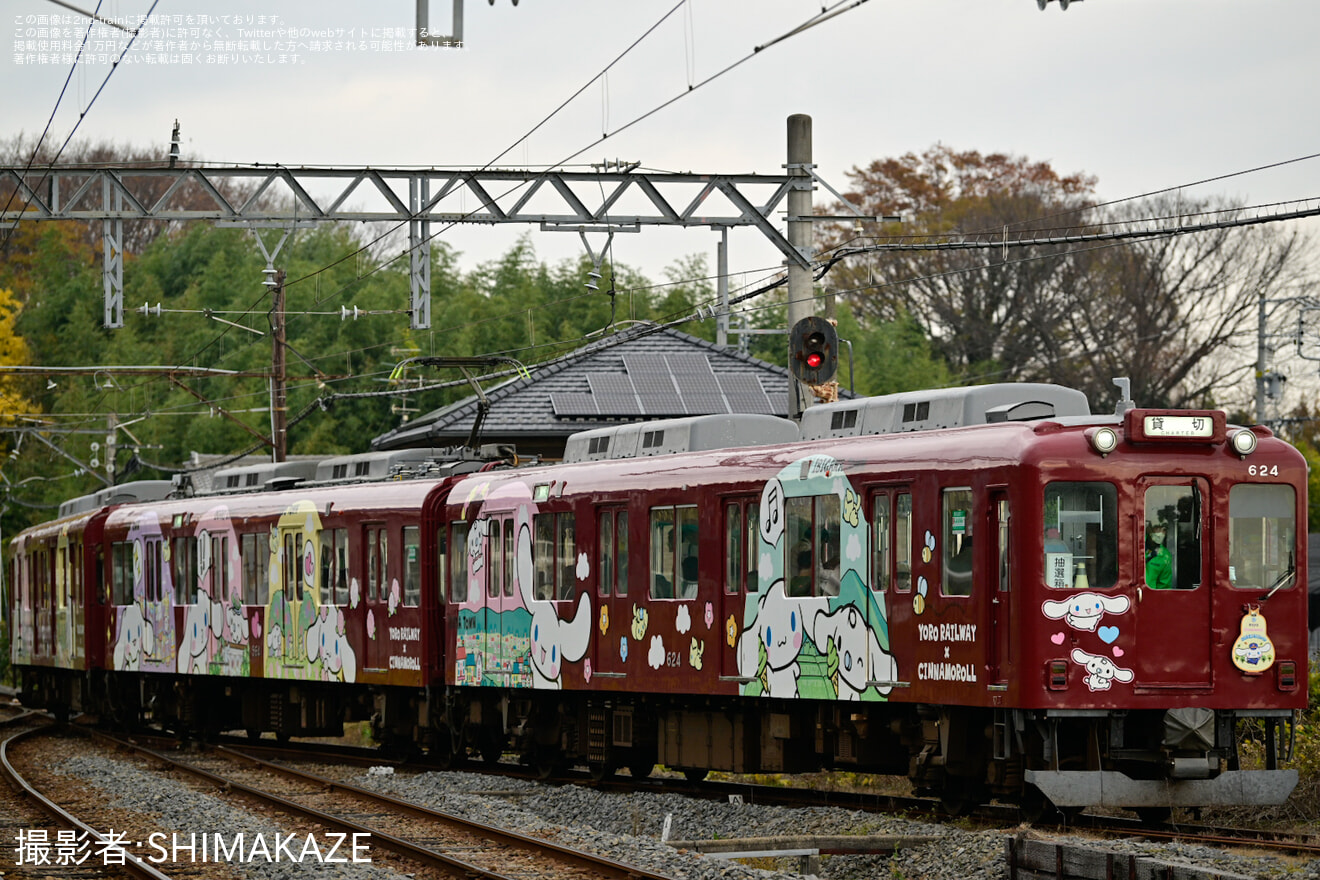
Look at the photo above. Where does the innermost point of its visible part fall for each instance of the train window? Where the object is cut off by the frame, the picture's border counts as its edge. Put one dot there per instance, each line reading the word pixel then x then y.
pixel 151 572
pixel 1262 534
pixel 494 558
pixel 249 547
pixel 829 527
pixel 509 546
pixel 340 566
pixel 733 548
pixel 1002 519
pixel 62 560
pixel 605 552
pixel 813 522
pixel 880 571
pixel 956 578
pixel 458 570
pixel 543 554
pixel 293 582
pixel 440 556
pixel 741 546
pixel 412 566
pixel 375 561
pixel 101 592
pixel 621 553
pixel 674 552
pixel 903 542
pixel 567 555
pixel 799 563
pixel 1173 537
pixel 221 592
pixel 334 566
pixel 687 552
pixel 1081 535
pixel 121 573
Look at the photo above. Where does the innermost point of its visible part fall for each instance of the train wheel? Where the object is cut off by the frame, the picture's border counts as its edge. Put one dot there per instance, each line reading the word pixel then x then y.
pixel 958 798
pixel 1154 815
pixel 253 734
pixel 442 747
pixel 1036 808
pixel 601 770
pixel 492 747
pixel 641 769
pixel 694 775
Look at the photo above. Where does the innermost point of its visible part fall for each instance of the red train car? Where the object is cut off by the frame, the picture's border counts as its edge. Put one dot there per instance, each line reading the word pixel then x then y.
pixel 989 589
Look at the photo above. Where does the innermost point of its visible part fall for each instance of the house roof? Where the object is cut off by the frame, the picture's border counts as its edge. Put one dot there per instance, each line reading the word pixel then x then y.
pixel 661 374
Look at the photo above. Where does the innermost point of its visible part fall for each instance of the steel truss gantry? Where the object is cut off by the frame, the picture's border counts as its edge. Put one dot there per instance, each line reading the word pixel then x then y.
pixel 262 196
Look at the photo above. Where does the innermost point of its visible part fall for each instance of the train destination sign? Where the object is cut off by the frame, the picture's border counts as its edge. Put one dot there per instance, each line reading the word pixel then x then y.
pixel 1178 426
pixel 1157 425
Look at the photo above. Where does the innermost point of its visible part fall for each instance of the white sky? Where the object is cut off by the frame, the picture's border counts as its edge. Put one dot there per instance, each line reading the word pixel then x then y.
pixel 1143 94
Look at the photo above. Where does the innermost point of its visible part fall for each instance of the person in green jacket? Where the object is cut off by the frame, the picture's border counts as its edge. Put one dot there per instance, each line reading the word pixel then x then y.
pixel 1159 564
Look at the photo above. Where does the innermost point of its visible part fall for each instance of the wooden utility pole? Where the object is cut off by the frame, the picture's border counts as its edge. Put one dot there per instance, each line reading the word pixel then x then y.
pixel 279 375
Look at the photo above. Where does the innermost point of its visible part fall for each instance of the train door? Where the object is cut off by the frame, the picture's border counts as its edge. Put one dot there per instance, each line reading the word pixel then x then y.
pixel 741 577
pixel 63 622
pixel 500 589
pixel 1172 597
pixel 378 557
pixel 615 617
pixel 1000 548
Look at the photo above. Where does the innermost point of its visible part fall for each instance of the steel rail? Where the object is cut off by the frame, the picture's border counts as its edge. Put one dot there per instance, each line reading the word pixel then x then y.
pixel 425 855
pixel 133 865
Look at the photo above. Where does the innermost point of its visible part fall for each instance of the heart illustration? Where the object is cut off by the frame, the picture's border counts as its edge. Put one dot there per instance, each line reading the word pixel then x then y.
pixel 1108 634
pixel 1118 652
pixel 1057 638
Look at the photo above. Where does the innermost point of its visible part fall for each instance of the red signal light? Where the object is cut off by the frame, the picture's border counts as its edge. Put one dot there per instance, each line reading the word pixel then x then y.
pixel 814 360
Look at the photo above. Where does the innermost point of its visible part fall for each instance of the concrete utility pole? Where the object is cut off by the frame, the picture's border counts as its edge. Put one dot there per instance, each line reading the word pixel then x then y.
pixel 800 303
pixel 279 379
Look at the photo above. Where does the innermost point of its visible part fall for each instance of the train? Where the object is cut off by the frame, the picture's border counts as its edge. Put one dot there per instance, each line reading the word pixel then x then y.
pixel 990 590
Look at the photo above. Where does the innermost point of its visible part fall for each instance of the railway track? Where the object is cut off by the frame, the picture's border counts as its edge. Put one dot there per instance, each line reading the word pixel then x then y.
pixel 992 815
pixel 74 848
pixel 419 835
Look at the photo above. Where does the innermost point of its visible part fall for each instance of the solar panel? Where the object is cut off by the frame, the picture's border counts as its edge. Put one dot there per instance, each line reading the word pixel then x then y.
pixel 655 386
pixel 696 384
pixel 573 404
pixel 745 394
pixel 614 394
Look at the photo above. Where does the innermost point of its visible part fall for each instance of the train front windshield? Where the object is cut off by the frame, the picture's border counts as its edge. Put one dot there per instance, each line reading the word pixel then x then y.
pixel 1262 535
pixel 1081 535
pixel 1080 539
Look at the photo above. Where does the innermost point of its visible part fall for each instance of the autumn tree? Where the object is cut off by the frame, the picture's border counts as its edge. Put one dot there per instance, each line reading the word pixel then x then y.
pixel 1166 311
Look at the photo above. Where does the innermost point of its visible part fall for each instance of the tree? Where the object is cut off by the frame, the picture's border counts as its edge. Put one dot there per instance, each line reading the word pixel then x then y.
pixel 13 351
pixel 1168 311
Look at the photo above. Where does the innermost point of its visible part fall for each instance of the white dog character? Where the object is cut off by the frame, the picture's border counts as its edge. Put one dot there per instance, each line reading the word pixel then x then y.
pixel 1101 671
pixel 1084 610
pixel 136 637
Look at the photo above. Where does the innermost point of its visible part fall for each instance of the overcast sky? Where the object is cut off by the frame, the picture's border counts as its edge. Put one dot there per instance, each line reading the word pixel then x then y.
pixel 1143 94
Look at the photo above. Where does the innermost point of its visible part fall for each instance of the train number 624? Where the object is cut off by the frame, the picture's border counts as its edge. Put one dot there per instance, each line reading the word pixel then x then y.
pixel 1263 470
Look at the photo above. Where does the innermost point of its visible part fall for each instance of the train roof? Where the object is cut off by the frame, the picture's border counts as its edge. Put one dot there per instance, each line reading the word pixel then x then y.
pixel 933 409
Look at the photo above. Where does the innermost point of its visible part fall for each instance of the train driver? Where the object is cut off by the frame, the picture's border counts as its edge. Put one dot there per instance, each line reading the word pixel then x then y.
pixel 1159 564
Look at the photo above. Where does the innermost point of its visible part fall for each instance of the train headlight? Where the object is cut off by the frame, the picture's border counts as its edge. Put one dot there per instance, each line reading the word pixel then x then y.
pixel 1244 442
pixel 1104 440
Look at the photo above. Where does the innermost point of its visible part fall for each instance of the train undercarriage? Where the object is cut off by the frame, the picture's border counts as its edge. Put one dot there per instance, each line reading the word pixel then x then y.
pixel 1046 761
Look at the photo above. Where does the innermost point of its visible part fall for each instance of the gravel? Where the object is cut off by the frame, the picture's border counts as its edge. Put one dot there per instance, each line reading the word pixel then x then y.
pixel 185 811
pixel 628 827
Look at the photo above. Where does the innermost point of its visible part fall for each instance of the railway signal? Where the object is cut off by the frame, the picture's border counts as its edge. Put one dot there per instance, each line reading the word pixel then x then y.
pixel 813 350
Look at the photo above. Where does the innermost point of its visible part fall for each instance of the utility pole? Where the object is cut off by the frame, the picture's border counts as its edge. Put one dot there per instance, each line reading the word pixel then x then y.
pixel 800 304
pixel 279 375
